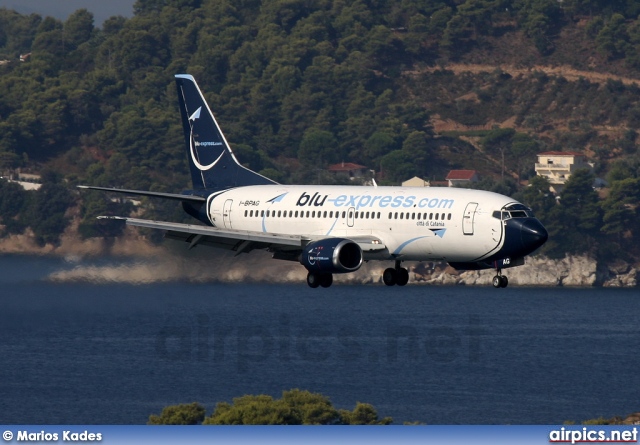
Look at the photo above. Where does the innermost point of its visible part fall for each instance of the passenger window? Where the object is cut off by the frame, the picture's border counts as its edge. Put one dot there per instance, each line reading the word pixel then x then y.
pixel 344 214
pixel 430 215
pixel 325 213
pixel 390 215
pixel 449 216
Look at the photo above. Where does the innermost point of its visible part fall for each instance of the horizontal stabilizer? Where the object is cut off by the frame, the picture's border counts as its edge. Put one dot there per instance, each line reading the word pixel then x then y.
pixel 175 196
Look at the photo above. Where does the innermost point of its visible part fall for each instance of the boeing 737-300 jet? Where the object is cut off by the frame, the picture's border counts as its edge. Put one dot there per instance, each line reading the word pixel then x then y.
pixel 334 229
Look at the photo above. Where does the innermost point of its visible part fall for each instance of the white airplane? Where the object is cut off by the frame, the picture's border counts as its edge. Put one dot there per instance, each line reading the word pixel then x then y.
pixel 334 229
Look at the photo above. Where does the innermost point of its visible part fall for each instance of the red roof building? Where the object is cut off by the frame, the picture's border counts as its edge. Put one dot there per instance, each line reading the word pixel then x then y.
pixel 348 168
pixel 460 177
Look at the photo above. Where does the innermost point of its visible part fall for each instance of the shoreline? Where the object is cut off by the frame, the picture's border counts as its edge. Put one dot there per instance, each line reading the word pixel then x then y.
pixel 146 262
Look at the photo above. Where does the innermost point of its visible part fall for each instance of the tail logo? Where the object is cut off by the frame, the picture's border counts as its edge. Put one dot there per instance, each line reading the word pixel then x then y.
pixel 193 143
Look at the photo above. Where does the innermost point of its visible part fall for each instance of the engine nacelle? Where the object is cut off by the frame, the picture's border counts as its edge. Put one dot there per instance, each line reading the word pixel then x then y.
pixel 332 255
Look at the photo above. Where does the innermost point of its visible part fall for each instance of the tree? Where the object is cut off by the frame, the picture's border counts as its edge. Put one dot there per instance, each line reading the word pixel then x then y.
pixel 78 29
pixel 620 209
pixel 539 19
pixel 46 212
pixel 581 202
pixel 416 146
pixel 612 40
pixel 296 407
pixel 13 200
pixel 318 148
pixel 539 197
pixel 379 144
pixel 498 141
pixel 183 414
pixel 363 414
pixel 576 221
pixel 397 166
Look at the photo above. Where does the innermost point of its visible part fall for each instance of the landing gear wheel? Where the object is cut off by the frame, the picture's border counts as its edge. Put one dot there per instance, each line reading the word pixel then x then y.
pixel 389 276
pixel 326 280
pixel 402 276
pixel 313 280
pixel 500 281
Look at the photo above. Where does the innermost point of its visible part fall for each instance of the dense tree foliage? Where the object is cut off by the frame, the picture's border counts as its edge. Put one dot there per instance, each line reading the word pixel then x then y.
pixel 298 85
pixel 296 407
pixel 183 414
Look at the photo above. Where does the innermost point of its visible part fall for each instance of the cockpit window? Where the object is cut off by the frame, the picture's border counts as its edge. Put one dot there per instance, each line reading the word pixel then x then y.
pixel 517 211
pixel 513 211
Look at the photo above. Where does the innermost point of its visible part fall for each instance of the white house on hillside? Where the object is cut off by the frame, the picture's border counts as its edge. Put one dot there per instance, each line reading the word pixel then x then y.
pixel 558 166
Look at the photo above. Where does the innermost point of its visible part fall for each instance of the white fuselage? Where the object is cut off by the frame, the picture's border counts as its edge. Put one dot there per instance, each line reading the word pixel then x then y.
pixel 422 224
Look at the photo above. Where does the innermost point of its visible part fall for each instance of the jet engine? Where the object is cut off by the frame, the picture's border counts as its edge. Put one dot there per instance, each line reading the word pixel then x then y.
pixel 332 255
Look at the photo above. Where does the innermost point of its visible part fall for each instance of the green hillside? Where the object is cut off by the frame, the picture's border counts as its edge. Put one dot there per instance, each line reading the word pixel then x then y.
pixel 404 87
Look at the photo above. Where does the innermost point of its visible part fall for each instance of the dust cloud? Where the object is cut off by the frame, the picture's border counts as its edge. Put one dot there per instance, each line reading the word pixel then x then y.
pixel 201 265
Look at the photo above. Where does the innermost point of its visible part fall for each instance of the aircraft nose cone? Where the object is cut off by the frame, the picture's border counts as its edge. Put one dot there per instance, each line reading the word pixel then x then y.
pixel 533 234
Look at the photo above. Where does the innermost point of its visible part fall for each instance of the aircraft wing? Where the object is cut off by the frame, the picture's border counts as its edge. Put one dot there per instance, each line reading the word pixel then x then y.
pixel 286 246
pixel 237 240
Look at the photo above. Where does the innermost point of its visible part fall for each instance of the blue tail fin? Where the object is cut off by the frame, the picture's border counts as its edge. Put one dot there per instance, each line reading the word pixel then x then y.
pixel 211 161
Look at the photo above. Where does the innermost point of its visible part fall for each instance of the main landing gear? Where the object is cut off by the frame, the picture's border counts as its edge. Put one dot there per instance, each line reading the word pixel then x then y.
pixel 315 279
pixel 398 275
pixel 500 281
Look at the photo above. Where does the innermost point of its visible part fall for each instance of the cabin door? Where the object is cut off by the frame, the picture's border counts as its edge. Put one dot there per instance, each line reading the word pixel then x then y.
pixel 469 216
pixel 226 213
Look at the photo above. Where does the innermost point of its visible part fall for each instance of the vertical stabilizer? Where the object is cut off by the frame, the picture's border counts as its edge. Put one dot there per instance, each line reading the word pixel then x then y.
pixel 211 161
